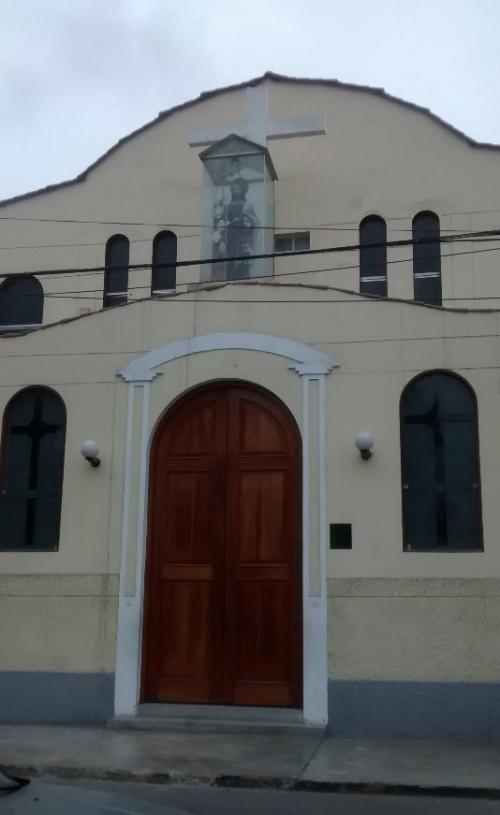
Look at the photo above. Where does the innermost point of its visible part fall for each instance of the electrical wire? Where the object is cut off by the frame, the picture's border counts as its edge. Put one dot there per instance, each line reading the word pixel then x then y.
pixel 69 295
pixel 491 233
pixel 292 230
pixel 340 226
pixel 327 226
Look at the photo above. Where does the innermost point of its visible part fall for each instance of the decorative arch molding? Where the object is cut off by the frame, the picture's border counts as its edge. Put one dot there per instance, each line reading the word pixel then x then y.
pixel 304 358
pixel 313 366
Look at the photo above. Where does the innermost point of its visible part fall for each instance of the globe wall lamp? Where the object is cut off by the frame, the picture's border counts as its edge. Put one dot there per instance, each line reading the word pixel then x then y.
pixel 90 452
pixel 364 442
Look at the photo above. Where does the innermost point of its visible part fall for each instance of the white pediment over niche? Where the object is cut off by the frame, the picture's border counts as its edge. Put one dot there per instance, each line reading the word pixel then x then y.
pixel 304 359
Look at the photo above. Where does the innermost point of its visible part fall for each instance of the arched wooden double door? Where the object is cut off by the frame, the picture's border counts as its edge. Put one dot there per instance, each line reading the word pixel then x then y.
pixel 223 618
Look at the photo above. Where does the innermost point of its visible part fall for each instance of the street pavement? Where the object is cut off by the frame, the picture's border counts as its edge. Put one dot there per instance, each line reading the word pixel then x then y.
pixel 299 761
pixel 82 797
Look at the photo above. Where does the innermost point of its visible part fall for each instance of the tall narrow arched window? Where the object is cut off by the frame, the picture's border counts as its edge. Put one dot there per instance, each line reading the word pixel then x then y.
pixel 21 303
pixel 373 256
pixel 116 273
pixel 427 258
pixel 440 465
pixel 163 278
pixel 31 478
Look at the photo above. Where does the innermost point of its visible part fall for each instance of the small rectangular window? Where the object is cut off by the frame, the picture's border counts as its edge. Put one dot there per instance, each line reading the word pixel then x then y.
pixel 295 242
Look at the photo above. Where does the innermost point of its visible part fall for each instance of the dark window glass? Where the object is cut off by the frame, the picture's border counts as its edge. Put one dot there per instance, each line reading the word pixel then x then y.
pixel 34 429
pixel 427 259
pixel 297 242
pixel 301 242
pixel 163 278
pixel 373 258
pixel 116 274
pixel 21 302
pixel 440 465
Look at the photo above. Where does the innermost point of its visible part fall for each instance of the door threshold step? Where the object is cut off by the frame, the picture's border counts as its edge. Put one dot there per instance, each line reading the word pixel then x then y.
pixel 186 724
pixel 240 713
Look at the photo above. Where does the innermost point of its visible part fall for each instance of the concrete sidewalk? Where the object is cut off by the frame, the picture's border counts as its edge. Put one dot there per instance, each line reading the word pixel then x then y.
pixel 281 761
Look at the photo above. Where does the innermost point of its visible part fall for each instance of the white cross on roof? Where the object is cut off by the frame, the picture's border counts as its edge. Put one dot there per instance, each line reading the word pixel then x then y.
pixel 258 127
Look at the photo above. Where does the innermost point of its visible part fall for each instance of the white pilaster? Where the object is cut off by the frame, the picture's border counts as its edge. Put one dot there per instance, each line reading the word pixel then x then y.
pixel 130 602
pixel 315 652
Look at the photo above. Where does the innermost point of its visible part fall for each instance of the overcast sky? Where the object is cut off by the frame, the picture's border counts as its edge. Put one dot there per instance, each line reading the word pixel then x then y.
pixel 76 75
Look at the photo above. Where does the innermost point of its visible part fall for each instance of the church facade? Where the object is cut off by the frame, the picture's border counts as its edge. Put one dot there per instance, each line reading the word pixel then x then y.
pixel 250 397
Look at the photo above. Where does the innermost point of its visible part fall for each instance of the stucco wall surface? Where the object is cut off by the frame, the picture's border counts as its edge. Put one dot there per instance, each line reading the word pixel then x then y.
pixel 379 347
pixel 61 623
pixel 376 157
pixel 414 629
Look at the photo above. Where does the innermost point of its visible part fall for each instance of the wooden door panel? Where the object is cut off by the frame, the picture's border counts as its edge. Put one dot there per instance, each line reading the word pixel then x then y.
pixel 263 639
pixel 260 516
pixel 223 591
pixel 187 528
pixel 185 654
pixel 198 433
pixel 187 587
pixel 262 622
pixel 259 429
pixel 263 694
pixel 183 625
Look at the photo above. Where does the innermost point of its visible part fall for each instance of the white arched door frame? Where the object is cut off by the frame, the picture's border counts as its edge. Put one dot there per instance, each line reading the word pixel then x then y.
pixel 312 366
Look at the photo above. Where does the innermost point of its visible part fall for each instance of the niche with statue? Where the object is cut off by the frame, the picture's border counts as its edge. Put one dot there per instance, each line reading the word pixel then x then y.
pixel 237 210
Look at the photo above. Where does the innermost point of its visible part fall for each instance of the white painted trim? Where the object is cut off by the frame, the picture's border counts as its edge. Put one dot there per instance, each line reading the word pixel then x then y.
pixel 322 480
pixel 144 368
pixel 5 329
pixel 142 519
pixel 126 481
pixel 306 480
pixel 315 645
pixel 312 366
pixel 124 688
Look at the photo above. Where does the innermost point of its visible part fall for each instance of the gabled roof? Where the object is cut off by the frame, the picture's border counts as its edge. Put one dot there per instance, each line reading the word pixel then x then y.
pixel 217 148
pixel 279 78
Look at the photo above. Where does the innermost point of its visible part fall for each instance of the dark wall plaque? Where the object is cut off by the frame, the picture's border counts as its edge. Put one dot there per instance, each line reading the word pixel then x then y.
pixel 340 536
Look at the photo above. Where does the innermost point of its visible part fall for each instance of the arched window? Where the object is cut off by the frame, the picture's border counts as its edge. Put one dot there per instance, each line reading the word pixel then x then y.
pixel 163 279
pixel 33 435
pixel 427 258
pixel 440 464
pixel 21 303
pixel 116 274
pixel 373 259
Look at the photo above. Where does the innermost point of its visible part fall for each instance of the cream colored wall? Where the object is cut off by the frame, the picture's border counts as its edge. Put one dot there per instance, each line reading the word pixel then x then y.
pixel 414 629
pixel 376 587
pixel 378 156
pixel 62 623
pixel 380 347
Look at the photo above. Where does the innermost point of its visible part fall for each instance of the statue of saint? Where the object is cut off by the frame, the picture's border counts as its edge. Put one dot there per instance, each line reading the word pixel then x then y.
pixel 241 223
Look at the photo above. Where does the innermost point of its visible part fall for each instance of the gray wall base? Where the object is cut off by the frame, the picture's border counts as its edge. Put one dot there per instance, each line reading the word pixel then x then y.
pixel 420 709
pixel 356 707
pixel 28 697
